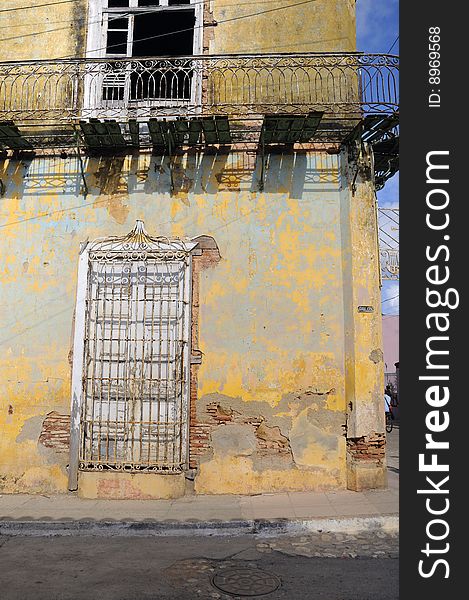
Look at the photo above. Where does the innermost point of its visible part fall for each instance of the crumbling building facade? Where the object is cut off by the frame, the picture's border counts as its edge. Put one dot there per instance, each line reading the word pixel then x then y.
pixel 190 289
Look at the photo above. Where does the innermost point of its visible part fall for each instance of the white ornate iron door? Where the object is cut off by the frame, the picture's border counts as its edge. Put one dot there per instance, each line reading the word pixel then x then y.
pixel 135 367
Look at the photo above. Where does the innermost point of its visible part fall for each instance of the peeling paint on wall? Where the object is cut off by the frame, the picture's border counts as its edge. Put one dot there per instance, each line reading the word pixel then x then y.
pixel 376 356
pixel 270 306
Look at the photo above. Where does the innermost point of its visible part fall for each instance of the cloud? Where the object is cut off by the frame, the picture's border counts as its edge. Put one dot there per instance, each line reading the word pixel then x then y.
pixel 390 298
pixel 388 197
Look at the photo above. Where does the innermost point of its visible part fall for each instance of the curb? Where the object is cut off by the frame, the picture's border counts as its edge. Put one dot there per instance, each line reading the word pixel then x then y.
pixel 148 528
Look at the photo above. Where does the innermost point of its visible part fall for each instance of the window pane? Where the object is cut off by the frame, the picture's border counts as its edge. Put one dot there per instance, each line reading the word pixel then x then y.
pixel 165 33
pixel 117 3
pixel 118 23
pixel 148 3
pixel 116 42
pixel 176 2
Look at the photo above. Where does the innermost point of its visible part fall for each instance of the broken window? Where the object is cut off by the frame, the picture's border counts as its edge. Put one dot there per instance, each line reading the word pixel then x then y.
pixel 147 30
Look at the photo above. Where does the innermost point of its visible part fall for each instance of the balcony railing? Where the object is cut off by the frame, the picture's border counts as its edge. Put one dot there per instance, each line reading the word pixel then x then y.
pixel 342 87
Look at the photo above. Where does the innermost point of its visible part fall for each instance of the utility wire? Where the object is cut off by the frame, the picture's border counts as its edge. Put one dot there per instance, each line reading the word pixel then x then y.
pixel 125 13
pixel 152 37
pixel 70 21
pixel 395 42
pixel 388 299
pixel 375 73
pixel 61 210
pixel 4 10
pixel 114 15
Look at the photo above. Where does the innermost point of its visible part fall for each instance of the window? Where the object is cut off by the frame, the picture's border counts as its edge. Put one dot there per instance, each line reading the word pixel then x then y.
pixel 144 29
pixel 131 371
pixel 135 323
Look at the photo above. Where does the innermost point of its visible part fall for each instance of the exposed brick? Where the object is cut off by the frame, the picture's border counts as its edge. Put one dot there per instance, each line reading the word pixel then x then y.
pixel 367 448
pixel 55 432
pixel 269 439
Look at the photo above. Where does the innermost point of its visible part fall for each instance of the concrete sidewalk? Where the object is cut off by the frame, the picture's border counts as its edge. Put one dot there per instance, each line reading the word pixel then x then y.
pixel 341 510
pixel 196 510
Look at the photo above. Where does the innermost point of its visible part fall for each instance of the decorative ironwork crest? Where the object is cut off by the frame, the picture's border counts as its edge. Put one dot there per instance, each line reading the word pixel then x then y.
pixel 139 245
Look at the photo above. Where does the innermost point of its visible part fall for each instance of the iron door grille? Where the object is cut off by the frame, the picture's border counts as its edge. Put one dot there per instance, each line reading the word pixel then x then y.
pixel 134 408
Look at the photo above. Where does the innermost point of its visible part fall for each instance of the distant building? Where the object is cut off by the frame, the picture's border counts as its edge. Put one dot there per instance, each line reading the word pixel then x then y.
pixel 390 342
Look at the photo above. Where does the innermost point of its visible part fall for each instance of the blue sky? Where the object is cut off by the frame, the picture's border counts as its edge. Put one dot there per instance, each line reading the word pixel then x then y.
pixel 377 30
pixel 377 25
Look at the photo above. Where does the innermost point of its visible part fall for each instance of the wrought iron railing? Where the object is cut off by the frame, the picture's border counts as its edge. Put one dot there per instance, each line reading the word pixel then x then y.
pixel 343 86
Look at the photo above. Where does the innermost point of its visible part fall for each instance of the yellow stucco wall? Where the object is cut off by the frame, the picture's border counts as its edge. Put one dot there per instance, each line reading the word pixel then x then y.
pixel 283 26
pixel 272 311
pixel 42 32
pixel 32 31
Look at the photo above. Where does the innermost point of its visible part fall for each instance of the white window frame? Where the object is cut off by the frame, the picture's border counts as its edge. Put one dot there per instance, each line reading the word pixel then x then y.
pixel 96 40
pixel 96 47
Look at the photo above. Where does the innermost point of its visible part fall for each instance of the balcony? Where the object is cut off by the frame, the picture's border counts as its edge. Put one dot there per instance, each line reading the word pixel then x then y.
pixel 165 103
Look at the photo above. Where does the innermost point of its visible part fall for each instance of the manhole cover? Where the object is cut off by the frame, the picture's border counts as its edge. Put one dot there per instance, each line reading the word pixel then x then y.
pixel 245 582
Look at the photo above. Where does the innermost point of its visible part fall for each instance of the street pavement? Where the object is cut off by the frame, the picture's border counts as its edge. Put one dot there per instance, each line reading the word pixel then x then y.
pixel 331 546
pixel 89 568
